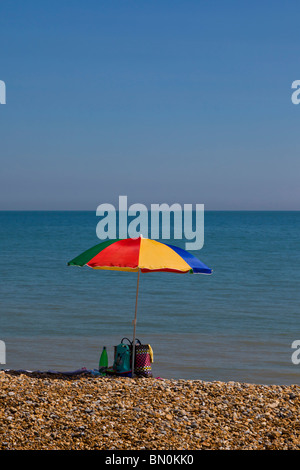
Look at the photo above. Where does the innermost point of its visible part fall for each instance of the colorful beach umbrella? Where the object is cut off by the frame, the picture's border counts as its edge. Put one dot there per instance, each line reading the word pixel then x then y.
pixel 139 255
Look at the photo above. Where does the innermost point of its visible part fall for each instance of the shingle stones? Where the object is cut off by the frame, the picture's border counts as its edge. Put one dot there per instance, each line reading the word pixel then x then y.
pixel 40 411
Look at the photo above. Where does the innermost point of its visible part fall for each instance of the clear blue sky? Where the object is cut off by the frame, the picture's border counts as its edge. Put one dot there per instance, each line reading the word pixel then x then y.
pixel 162 101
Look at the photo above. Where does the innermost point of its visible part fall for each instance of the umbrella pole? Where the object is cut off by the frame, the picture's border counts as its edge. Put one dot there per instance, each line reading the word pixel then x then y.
pixel 134 323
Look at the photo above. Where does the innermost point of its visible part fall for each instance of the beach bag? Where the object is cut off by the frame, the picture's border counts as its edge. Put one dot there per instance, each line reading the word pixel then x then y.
pixel 122 360
pixel 143 357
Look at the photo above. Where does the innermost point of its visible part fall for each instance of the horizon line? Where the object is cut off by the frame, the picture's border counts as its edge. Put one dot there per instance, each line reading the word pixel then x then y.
pixel 206 210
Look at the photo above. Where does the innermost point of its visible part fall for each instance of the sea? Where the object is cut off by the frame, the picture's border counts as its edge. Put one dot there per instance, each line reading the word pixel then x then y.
pixel 242 323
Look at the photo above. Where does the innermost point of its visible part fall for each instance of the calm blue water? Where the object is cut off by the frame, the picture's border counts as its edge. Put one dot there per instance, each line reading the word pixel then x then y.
pixel 237 324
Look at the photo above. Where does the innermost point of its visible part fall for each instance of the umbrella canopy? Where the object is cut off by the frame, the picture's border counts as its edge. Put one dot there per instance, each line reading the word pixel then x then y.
pixel 139 255
pixel 134 254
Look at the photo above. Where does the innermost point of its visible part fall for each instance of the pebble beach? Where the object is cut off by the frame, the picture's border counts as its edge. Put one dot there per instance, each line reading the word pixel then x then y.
pixel 41 411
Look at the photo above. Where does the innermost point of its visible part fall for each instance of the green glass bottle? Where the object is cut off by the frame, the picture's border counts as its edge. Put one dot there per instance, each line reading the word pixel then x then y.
pixel 103 362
